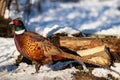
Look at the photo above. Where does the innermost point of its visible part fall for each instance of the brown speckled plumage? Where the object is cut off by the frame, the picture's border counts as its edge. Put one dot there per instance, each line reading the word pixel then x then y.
pixel 35 47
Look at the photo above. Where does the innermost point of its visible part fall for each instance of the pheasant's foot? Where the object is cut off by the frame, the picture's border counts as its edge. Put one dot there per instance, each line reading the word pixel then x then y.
pixel 19 59
pixel 37 66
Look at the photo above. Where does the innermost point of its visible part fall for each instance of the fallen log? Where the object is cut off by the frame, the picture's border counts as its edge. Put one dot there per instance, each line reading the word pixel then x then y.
pixel 77 44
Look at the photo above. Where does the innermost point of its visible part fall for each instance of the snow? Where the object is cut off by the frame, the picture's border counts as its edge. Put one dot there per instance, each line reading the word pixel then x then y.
pixel 98 17
pixel 100 72
pixel 26 72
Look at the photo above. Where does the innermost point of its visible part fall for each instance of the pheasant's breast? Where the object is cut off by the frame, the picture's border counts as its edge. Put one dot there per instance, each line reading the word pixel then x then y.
pixel 29 48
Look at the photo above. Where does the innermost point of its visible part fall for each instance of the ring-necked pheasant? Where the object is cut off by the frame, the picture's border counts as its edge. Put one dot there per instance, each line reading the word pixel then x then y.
pixel 38 48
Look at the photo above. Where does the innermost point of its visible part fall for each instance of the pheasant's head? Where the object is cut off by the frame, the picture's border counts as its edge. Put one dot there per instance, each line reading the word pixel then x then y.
pixel 18 25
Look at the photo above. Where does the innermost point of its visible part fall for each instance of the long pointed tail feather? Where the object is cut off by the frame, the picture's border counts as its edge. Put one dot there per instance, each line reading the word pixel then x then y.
pixel 71 56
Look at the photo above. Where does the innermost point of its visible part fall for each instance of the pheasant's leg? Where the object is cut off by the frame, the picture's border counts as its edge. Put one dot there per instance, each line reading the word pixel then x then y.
pixel 37 66
pixel 19 59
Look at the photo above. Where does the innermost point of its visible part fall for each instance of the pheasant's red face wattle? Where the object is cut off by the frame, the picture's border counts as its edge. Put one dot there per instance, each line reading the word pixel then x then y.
pixel 16 22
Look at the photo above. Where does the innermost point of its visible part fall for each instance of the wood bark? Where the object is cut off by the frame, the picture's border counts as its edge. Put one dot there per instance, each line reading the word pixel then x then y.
pixel 2 7
pixel 6 4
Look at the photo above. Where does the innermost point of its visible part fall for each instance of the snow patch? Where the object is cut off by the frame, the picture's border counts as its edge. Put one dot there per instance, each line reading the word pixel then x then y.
pixel 100 72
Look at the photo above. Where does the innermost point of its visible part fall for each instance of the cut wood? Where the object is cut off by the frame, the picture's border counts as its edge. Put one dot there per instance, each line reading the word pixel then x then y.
pixel 75 43
pixel 98 55
pixel 91 51
pixel 78 44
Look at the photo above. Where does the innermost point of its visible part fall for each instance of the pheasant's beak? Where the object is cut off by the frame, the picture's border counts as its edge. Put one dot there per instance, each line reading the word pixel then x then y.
pixel 11 23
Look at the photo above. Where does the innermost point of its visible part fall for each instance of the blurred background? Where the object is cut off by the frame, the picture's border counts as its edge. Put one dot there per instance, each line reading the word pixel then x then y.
pixel 48 17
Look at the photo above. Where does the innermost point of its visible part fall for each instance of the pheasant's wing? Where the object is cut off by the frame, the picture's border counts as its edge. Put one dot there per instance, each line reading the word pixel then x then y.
pixel 44 44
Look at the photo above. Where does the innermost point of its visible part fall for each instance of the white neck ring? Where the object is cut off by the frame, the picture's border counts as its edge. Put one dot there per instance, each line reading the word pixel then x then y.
pixel 20 32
